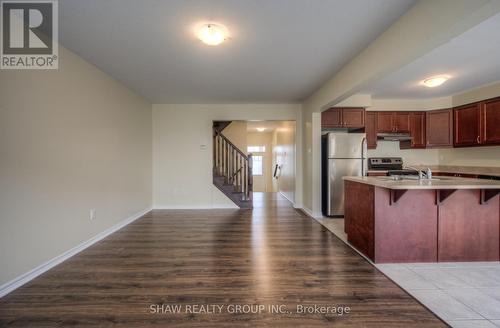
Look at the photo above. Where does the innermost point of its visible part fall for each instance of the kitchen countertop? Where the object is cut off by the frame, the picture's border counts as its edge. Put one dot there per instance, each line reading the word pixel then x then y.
pixel 491 171
pixel 436 183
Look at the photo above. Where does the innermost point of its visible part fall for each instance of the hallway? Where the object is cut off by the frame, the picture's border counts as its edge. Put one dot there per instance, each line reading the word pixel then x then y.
pixel 271 255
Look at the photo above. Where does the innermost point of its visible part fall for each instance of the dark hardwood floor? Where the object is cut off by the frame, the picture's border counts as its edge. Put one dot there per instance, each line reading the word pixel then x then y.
pixel 271 255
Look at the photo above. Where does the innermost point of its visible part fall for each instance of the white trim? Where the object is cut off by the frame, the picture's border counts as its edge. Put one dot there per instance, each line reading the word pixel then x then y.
pixel 194 207
pixel 283 194
pixel 310 213
pixel 32 274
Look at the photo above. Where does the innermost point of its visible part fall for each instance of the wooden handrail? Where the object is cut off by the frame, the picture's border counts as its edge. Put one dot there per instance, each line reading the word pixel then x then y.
pixel 231 144
pixel 233 165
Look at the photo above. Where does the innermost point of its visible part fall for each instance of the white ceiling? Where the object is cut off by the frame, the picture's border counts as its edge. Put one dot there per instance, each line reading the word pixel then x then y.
pixel 471 59
pixel 279 51
pixel 269 126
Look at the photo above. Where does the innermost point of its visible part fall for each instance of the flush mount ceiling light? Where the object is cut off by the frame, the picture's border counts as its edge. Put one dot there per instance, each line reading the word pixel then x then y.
pixel 261 129
pixel 435 81
pixel 212 34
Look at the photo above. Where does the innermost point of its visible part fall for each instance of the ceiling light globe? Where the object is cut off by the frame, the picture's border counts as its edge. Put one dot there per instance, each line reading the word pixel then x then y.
pixel 212 34
pixel 435 81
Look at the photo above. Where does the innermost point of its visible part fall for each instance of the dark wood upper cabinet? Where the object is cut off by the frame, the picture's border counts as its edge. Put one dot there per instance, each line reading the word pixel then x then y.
pixel 385 122
pixel 490 119
pixel 439 128
pixel 353 118
pixel 417 129
pixel 467 125
pixel 371 129
pixel 401 122
pixel 331 118
pixel 388 122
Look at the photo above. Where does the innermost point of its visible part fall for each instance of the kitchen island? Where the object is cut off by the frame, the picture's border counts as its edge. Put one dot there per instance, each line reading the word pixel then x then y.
pixel 445 219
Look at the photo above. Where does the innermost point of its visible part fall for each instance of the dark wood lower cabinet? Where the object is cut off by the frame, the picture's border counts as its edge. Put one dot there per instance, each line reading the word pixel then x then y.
pixel 405 231
pixel 422 225
pixel 360 217
pixel 467 230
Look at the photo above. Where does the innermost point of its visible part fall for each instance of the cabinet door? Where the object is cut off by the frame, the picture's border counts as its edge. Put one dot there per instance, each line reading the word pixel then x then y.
pixel 439 128
pixel 467 125
pixel 353 117
pixel 371 129
pixel 401 122
pixel 490 119
pixel 385 122
pixel 417 129
pixel 332 118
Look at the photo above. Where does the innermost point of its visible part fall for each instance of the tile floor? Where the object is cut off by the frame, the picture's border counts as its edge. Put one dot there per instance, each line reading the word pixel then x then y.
pixel 464 294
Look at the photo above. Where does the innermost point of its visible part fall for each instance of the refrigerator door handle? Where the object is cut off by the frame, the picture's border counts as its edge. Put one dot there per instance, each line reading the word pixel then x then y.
pixel 363 157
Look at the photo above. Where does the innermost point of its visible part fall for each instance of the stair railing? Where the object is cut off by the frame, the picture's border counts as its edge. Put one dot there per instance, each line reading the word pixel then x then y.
pixel 234 165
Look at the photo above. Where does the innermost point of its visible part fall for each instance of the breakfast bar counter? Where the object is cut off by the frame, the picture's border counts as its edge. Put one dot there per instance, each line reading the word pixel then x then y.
pixel 444 219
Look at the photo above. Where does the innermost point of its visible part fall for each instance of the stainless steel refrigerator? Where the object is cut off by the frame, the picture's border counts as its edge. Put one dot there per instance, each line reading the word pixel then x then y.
pixel 343 154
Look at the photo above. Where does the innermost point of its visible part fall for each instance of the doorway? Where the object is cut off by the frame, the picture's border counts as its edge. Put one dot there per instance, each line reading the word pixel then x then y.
pixel 272 145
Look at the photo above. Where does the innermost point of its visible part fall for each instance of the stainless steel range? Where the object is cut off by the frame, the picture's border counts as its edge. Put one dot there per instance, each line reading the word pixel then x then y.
pixel 385 163
pixel 393 166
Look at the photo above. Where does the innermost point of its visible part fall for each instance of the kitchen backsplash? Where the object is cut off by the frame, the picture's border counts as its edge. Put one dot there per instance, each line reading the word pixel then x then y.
pixel 478 156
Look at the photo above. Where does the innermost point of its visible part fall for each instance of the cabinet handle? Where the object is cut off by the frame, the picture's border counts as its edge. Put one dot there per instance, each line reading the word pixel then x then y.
pixel 477 139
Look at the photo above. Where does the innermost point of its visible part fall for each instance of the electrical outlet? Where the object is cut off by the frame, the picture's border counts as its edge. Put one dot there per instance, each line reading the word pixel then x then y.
pixel 92 214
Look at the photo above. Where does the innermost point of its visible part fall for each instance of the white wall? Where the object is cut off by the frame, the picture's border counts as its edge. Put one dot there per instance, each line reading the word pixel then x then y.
pixel 487 156
pixel 284 154
pixel 410 104
pixel 182 170
pixel 237 133
pixel 70 140
pixel 484 92
pixel 410 156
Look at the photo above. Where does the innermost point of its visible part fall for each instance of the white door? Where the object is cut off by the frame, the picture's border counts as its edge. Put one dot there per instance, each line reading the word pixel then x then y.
pixel 259 172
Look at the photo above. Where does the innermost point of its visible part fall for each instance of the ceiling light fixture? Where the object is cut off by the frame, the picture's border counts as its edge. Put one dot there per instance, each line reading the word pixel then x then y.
pixel 212 34
pixel 435 81
pixel 261 129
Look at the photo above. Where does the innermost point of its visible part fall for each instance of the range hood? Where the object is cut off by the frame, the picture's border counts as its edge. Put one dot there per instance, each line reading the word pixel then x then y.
pixel 394 136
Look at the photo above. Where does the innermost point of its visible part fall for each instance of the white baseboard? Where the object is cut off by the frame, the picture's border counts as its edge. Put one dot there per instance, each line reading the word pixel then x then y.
pixel 191 207
pixel 32 274
pixel 310 213
pixel 291 201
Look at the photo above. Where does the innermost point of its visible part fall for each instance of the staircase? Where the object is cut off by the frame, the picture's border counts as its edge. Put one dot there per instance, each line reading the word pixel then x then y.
pixel 232 171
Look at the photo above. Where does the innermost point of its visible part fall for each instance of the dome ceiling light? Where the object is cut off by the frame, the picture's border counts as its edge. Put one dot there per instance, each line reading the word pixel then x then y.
pixel 212 34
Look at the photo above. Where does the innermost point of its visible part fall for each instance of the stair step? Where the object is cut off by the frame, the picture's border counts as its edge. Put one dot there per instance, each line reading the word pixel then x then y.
pixel 228 190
